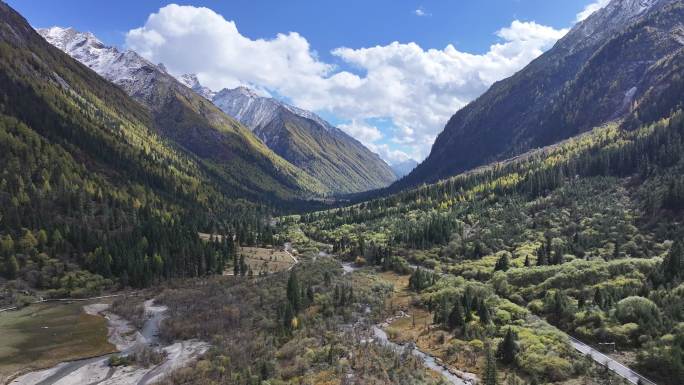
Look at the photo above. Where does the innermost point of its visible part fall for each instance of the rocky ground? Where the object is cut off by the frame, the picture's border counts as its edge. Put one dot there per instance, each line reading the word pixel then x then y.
pixel 127 340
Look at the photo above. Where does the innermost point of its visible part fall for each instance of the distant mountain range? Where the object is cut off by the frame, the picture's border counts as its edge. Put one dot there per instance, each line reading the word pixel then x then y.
pixel 404 167
pixel 327 153
pixel 621 63
pixel 334 161
pixel 244 165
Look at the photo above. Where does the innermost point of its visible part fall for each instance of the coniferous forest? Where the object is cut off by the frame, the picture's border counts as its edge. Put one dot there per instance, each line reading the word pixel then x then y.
pixel 91 198
pixel 151 238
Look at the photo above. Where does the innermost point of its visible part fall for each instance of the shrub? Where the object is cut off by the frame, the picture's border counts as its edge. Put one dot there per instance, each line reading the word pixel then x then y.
pixel 638 310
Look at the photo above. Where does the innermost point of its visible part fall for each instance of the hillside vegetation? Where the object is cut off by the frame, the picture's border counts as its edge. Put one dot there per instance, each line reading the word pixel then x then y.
pixel 339 161
pixel 91 197
pixel 624 61
pixel 586 234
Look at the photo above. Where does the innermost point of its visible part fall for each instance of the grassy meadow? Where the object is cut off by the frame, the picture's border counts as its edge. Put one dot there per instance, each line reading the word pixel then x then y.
pixel 42 335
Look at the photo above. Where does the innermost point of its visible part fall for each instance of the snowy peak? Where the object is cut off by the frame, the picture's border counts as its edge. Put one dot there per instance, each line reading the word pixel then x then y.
pixel 68 39
pixel 246 91
pixel 604 22
pixel 191 81
pixel 621 11
pixel 327 153
pixel 107 61
pixel 246 106
pixel 254 110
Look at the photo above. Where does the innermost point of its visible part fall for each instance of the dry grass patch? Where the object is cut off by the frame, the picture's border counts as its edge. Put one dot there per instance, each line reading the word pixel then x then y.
pixel 265 259
pixel 417 327
pixel 42 335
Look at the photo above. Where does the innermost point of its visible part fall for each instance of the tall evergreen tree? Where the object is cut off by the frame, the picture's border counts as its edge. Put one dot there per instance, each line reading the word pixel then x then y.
pixel 508 348
pixel 490 374
pixel 673 265
pixel 483 313
pixel 293 293
pixel 502 264
pixel 456 316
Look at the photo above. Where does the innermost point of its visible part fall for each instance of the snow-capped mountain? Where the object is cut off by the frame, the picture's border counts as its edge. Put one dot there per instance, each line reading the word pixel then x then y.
pixel 191 81
pixel 247 107
pixel 127 69
pixel 307 140
pixel 337 161
pixel 604 22
pixel 254 110
pixel 181 115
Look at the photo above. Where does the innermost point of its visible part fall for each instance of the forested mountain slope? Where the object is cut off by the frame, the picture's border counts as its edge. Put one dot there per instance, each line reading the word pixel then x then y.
pixel 327 153
pixel 241 162
pixel 616 63
pixel 91 195
pixel 586 234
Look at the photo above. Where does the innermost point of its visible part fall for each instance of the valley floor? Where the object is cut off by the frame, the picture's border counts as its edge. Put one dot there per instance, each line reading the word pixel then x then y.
pixel 122 338
pixel 361 325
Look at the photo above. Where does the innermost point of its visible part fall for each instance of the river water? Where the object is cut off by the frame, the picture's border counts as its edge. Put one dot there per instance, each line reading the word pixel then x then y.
pixel 96 371
pixel 428 360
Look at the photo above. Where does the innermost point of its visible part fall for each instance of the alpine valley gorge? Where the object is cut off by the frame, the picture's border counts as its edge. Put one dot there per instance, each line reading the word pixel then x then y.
pixel 153 230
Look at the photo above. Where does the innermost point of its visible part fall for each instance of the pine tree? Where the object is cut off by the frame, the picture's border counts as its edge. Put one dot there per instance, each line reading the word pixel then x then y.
pixel 508 348
pixel 673 265
pixel 293 293
pixel 490 374
pixel 309 294
pixel 456 316
pixel 483 313
pixel 542 256
pixel 502 264
pixel 598 298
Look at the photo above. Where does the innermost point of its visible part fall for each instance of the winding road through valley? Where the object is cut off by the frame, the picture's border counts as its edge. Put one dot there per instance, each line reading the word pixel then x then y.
pixel 618 368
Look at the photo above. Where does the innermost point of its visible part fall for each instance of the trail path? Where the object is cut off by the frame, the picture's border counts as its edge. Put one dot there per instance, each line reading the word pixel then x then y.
pixel 287 247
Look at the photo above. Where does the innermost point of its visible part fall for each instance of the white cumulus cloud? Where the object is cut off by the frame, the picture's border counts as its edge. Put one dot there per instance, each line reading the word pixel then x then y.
pixel 390 155
pixel 417 89
pixel 191 39
pixel 420 12
pixel 591 8
pixel 362 131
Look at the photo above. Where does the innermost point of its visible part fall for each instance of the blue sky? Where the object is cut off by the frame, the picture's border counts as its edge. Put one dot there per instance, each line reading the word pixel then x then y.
pixel 395 96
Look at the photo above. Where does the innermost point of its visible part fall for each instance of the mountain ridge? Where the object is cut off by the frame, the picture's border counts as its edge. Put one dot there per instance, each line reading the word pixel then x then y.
pixel 302 137
pixel 330 162
pixel 242 161
pixel 555 96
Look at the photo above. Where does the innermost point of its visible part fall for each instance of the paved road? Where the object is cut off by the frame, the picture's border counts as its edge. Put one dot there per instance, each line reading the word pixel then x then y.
pixel 620 369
